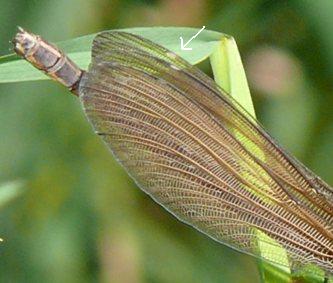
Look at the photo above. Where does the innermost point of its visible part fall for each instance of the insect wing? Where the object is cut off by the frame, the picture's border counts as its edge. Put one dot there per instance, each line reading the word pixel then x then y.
pixel 199 154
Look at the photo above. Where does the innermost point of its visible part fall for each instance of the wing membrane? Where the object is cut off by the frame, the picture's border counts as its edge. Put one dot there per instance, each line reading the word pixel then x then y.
pixel 199 154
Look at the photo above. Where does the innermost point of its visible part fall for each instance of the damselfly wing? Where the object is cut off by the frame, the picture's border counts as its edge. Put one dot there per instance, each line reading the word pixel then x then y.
pixel 200 155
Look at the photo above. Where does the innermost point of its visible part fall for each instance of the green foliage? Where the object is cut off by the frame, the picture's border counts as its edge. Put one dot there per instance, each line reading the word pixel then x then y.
pixel 14 69
pixel 81 219
pixel 229 72
pixel 9 191
pixel 230 75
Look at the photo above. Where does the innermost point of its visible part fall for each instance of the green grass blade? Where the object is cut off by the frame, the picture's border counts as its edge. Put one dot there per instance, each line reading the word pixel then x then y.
pixel 14 69
pixel 229 72
pixel 230 75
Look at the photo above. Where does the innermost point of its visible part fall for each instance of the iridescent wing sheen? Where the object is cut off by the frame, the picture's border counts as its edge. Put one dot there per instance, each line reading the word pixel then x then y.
pixel 195 151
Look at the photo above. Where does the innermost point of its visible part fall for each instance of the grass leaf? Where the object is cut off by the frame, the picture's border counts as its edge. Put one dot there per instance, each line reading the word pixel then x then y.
pixel 229 74
pixel 14 69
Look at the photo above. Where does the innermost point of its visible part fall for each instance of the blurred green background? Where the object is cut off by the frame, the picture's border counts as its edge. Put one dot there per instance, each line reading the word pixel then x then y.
pixel 80 218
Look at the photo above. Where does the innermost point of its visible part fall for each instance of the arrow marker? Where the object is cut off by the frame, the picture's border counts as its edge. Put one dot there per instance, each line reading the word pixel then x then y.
pixel 183 46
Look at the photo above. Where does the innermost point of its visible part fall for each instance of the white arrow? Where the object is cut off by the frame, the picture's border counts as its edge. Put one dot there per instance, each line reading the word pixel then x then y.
pixel 183 46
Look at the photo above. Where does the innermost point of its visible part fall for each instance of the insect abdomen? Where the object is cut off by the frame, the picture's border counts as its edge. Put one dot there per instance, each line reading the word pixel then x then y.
pixel 48 58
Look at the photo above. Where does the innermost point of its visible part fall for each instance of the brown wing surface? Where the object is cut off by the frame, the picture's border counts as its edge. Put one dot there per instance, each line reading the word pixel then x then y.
pixel 195 151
